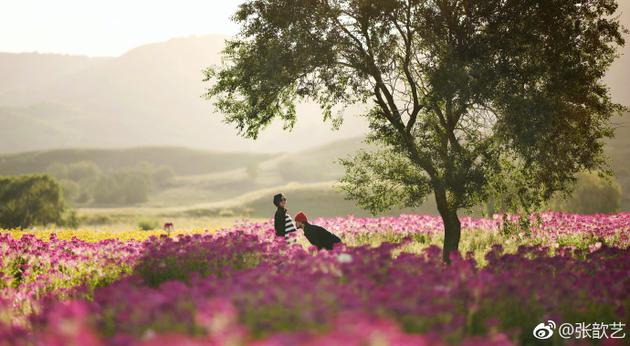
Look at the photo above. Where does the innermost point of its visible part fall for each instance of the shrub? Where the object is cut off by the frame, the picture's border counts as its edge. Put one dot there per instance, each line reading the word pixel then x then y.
pixel 148 224
pixel 30 200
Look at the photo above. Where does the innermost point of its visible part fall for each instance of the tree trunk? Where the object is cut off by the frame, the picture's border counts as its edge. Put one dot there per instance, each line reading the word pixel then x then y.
pixel 452 226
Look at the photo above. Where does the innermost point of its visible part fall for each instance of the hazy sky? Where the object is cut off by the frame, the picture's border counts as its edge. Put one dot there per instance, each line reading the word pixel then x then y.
pixel 111 27
pixel 107 27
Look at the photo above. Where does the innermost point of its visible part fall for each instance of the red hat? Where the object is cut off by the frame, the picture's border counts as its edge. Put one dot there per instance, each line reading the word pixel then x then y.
pixel 300 217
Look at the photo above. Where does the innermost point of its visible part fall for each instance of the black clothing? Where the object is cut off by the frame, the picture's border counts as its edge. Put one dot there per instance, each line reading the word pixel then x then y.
pixel 320 237
pixel 282 223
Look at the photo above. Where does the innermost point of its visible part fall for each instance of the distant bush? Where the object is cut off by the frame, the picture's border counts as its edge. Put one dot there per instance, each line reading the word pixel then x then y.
pixel 70 219
pixel 592 194
pixel 147 224
pixel 32 200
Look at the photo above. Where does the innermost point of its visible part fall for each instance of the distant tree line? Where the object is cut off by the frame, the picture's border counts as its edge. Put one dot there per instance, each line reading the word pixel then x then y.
pixel 84 183
pixel 591 194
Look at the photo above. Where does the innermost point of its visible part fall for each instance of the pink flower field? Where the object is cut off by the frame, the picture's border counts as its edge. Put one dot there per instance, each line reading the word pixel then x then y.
pixel 386 285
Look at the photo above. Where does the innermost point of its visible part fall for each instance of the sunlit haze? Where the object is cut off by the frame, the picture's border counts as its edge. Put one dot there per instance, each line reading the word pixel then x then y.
pixel 148 91
pixel 107 28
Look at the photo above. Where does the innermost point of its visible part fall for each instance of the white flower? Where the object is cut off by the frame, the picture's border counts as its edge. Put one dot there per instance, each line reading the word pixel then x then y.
pixel 344 258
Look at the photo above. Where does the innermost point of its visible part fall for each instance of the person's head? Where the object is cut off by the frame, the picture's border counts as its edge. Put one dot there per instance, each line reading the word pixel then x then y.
pixel 279 201
pixel 300 220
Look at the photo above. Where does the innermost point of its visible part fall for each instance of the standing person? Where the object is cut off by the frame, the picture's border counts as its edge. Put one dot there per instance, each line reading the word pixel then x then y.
pixel 283 224
pixel 316 235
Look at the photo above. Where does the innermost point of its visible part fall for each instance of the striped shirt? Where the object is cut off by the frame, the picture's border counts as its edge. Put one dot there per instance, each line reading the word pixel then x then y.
pixel 283 223
pixel 288 224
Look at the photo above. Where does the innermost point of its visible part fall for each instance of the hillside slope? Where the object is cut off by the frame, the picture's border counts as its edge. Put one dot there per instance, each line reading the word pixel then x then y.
pixel 149 96
pixel 182 161
pixel 24 71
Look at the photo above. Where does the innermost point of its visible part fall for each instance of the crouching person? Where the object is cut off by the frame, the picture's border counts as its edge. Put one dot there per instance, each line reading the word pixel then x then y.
pixel 316 235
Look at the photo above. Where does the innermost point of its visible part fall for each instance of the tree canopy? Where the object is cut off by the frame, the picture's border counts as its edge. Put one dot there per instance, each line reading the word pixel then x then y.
pixel 31 200
pixel 465 94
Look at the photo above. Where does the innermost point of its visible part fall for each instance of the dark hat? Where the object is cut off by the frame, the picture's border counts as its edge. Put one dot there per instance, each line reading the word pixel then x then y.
pixel 277 198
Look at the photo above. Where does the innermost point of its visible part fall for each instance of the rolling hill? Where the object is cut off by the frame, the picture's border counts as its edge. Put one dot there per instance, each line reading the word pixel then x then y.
pixel 28 71
pixel 150 96
pixel 182 161
pixel 212 183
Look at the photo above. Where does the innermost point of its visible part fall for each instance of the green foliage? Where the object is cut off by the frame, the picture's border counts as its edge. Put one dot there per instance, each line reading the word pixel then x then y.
pixel 510 190
pixel 592 194
pixel 107 191
pixel 75 171
pixel 84 182
pixel 382 179
pixel 58 170
pixel 77 179
pixel 469 99
pixel 520 227
pixel 70 219
pixel 30 200
pixel 126 187
pixel 147 224
pixel 135 186
pixel 83 170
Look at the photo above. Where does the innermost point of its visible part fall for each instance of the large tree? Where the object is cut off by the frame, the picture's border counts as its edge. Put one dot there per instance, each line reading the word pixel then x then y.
pixel 464 94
